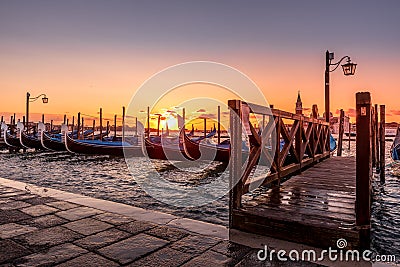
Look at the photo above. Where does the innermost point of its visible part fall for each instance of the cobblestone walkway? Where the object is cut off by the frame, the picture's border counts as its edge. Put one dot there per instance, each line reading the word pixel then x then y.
pixel 45 231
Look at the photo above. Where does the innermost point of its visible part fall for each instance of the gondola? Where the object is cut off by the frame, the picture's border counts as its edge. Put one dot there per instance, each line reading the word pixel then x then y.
pixel 54 142
pixel 164 149
pixel 10 139
pixel 395 149
pixel 199 149
pixel 30 141
pixel 97 147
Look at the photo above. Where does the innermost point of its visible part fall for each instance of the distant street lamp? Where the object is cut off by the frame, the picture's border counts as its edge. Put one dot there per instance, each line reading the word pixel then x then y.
pixel 33 99
pixel 349 68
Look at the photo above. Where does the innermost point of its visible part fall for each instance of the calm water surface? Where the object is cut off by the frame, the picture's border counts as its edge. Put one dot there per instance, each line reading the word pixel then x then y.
pixel 109 178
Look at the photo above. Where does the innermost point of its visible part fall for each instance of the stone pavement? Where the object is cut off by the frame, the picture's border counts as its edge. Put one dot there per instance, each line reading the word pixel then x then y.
pixel 39 227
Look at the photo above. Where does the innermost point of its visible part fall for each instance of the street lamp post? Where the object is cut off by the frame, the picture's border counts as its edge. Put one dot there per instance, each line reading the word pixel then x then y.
pixel 33 99
pixel 349 68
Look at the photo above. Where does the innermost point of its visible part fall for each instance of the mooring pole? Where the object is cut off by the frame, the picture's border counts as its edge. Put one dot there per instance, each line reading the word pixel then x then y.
pixel 219 124
pixel 123 123
pixel 115 126
pixel 79 125
pixel 65 119
pixel 382 143
pixel 373 128
pixel 83 133
pixel 108 128
pixel 73 126
pixel 136 129
pixel 377 150
pixel 93 128
pixel 205 127
pixel 101 124
pixel 148 122
pixel 341 131
pixel 363 166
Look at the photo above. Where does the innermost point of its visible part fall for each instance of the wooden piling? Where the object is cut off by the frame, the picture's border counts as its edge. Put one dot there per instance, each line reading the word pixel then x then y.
pixel 184 118
pixel 73 126
pixel 51 125
pixel 79 125
pixel 373 129
pixel 205 127
pixel 115 126
pixel 83 130
pixel 341 131
pixel 101 124
pixel 43 118
pixel 148 121
pixel 123 123
pixel 377 150
pixel 136 128
pixel 219 124
pixel 93 128
pixel 65 119
pixel 382 137
pixel 363 166
pixel 350 125
pixel 108 128
pixel 363 158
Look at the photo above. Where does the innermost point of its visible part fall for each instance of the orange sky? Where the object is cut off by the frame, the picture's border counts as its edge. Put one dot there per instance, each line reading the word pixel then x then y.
pixel 86 57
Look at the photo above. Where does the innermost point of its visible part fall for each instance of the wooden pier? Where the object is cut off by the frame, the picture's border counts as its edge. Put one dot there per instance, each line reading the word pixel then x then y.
pixel 322 198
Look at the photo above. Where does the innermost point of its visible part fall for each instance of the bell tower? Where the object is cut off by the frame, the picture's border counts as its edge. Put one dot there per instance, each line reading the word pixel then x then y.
pixel 299 104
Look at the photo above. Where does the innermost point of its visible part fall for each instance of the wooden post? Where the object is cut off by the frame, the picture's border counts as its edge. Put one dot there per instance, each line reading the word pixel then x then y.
pixel 115 126
pixel 79 125
pixel 148 122
pixel 67 124
pixel 65 119
pixel 205 127
pixel 373 136
pixel 43 118
pixel 184 118
pixel 123 123
pixel 382 160
pixel 158 124
pixel 136 129
pixel 219 124
pixel 377 150
pixel 108 128
pixel 101 124
pixel 73 126
pixel 349 134
pixel 1 122
pixel 341 131
pixel 51 125
pixel 363 159
pixel 14 118
pixel 93 128
pixel 83 130
pixel 235 163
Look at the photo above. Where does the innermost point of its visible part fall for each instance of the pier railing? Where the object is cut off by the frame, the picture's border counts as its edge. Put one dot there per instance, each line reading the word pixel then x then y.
pixel 299 142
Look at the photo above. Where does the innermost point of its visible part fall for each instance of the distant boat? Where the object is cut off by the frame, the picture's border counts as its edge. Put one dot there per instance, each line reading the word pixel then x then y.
pixel 395 149
pixel 332 143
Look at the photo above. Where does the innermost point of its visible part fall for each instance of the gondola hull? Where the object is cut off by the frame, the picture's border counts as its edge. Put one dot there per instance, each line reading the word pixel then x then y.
pixel 101 148
pixel 29 141
pixel 395 149
pixel 164 152
pixel 54 144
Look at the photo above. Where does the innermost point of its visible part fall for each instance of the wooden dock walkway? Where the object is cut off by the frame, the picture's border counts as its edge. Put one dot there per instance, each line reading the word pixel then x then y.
pixel 316 207
pixel 325 198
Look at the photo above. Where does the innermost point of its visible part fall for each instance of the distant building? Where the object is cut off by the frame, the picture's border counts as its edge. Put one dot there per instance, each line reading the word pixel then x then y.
pixel 299 105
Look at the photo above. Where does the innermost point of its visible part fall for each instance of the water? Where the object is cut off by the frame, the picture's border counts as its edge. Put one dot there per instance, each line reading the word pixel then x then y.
pixel 109 178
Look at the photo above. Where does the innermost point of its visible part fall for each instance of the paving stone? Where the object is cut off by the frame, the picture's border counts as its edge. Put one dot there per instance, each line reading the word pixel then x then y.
pixel 211 258
pixel 39 200
pixel 45 221
pixel 9 216
pixel 136 226
pixel 10 250
pixel 48 237
pixel 12 229
pixel 12 205
pixel 231 249
pixel 88 226
pixel 113 218
pixel 102 239
pixel 11 194
pixel 132 248
pixel 51 256
pixel 78 213
pixel 39 210
pixel 23 197
pixel 167 233
pixel 62 205
pixel 89 259
pixel 194 244
pixel 165 257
